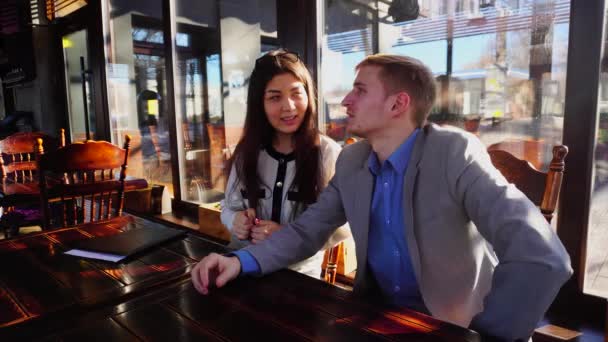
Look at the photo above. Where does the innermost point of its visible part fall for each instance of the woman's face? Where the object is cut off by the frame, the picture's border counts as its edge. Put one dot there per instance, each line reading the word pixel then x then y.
pixel 285 103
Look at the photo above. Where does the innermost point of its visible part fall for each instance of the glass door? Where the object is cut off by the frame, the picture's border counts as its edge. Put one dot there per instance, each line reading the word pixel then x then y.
pixel 81 112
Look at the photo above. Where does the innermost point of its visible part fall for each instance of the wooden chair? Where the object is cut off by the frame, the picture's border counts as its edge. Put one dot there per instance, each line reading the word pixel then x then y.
pixel 333 254
pixel 18 169
pixel 530 150
pixel 18 160
pixel 540 187
pixel 331 269
pixel 219 154
pixel 81 178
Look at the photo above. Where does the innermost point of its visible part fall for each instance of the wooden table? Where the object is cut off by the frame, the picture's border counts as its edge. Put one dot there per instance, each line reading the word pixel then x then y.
pixel 47 295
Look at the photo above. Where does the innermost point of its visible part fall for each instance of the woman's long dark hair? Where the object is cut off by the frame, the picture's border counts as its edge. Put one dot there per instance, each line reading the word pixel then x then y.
pixel 259 133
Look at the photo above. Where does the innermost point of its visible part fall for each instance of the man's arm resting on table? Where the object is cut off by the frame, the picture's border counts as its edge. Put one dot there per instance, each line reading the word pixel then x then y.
pixel 215 270
pixel 249 266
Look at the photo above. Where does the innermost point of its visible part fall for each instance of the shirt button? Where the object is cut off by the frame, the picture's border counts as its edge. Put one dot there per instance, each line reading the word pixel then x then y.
pixel 386 184
pixel 281 161
pixel 279 184
pixel 388 221
pixel 396 253
pixel 397 288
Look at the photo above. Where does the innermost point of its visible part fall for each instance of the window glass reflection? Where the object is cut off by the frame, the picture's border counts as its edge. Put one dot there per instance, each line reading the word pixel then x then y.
pixel 216 44
pixel 596 272
pixel 346 41
pixel 500 66
pixel 136 85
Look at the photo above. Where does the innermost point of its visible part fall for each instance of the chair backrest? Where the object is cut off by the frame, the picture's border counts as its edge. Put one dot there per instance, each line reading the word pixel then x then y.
pixel 540 187
pixel 17 155
pixel 81 177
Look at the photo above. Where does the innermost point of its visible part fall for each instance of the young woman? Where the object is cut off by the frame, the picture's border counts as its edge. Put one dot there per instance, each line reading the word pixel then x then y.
pixel 281 162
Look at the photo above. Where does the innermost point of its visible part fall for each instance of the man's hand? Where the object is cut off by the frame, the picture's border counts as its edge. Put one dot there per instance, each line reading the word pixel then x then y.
pixel 214 270
pixel 262 230
pixel 242 223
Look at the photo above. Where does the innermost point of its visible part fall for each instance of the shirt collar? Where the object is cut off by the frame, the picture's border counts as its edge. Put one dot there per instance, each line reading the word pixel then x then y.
pixel 278 155
pixel 398 159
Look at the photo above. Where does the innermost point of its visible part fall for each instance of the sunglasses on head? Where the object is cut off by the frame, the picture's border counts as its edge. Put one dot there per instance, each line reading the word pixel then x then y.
pixel 277 56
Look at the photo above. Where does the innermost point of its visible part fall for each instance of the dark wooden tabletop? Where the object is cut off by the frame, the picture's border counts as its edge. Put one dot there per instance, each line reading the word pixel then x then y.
pixel 47 295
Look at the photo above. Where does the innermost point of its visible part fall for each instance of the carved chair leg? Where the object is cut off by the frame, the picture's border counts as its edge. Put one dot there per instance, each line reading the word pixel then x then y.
pixel 332 263
pixel 330 273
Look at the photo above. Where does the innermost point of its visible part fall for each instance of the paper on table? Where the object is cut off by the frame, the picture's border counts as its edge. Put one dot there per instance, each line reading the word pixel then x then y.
pixel 95 255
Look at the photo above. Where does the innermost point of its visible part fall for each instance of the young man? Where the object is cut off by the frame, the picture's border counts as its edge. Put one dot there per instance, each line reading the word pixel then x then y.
pixel 436 226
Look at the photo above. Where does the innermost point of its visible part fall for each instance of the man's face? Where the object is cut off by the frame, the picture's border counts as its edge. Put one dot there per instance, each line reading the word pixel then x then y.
pixel 366 104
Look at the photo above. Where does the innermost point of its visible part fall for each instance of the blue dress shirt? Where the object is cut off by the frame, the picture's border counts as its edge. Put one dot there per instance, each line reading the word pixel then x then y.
pixel 249 266
pixel 387 252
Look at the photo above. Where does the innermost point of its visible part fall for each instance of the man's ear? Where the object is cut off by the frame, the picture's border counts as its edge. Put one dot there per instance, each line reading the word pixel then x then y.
pixel 401 102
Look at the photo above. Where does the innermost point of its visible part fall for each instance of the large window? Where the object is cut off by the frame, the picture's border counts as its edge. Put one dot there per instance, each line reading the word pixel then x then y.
pixel 75 51
pixel 347 39
pixel 198 99
pixel 500 66
pixel 136 84
pixel 216 45
pixel 596 275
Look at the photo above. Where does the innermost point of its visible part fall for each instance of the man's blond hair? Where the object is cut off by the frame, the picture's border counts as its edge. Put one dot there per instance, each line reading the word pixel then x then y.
pixel 402 73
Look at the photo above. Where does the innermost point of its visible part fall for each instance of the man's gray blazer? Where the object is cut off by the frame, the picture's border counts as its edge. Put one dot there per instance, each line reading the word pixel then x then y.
pixel 498 275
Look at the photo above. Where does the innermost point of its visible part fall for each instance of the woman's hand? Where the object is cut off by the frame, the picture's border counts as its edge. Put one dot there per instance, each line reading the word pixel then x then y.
pixel 242 223
pixel 262 230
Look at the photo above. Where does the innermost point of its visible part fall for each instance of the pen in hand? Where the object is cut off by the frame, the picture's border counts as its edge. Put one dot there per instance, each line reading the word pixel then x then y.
pixel 256 221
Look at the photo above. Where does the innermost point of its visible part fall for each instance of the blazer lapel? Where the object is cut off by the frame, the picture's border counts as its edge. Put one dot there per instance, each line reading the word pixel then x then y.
pixel 409 186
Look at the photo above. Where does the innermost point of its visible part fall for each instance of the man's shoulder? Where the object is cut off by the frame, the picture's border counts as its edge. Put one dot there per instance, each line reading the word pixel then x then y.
pixel 355 153
pixel 449 138
pixel 447 133
pixel 453 149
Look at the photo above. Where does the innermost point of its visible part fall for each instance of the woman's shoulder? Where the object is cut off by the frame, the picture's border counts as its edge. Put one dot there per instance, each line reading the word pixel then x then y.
pixel 329 151
pixel 329 144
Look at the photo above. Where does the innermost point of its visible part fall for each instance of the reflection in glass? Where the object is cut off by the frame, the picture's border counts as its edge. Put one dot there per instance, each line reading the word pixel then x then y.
pixel 596 273
pixel 75 47
pixel 347 39
pixel 500 65
pixel 211 77
pixel 136 83
pixel 199 110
